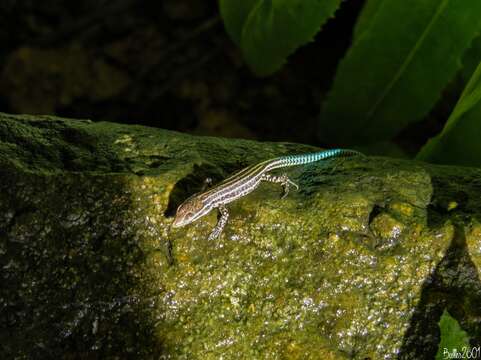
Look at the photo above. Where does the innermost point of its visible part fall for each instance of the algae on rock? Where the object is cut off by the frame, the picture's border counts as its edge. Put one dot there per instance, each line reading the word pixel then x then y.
pixel 359 263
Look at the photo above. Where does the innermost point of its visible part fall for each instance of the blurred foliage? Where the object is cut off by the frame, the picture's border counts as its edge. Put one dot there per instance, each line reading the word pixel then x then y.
pixel 367 14
pixel 471 60
pixel 171 64
pixel 452 337
pixel 396 70
pixel 459 142
pixel 403 59
pixel 269 30
pixel 235 15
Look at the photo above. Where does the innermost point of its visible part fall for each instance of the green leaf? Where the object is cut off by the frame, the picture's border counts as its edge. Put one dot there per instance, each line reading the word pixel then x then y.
pixel 459 143
pixel 397 68
pixel 274 29
pixel 365 18
pixel 452 337
pixel 471 60
pixel 235 13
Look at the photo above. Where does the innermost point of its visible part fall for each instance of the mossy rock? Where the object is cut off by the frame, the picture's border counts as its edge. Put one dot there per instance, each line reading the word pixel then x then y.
pixel 359 263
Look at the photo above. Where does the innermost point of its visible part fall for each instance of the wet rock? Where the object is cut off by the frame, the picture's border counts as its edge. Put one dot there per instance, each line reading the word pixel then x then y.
pixel 359 263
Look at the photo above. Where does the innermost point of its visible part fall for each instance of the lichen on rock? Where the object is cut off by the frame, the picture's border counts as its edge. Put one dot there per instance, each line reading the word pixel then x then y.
pixel 359 263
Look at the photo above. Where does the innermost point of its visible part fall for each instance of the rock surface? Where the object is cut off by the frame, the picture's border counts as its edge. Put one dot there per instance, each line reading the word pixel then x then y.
pixel 359 263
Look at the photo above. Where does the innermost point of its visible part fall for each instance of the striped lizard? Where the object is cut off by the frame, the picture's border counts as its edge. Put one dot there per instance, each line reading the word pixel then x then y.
pixel 244 182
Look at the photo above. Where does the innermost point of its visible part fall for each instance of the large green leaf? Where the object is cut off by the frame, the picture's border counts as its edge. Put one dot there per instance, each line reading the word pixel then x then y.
pixel 235 13
pixel 270 30
pixel 471 59
pixel 460 141
pixel 453 338
pixel 405 54
pixel 365 17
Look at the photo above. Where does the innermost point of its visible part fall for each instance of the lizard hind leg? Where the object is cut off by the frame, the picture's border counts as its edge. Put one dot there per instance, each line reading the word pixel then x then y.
pixel 283 180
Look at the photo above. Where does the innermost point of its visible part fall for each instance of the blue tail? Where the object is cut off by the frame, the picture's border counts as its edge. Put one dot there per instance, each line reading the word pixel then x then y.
pixel 301 159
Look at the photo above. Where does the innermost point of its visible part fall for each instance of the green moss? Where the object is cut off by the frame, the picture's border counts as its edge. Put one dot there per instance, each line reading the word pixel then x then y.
pixel 353 265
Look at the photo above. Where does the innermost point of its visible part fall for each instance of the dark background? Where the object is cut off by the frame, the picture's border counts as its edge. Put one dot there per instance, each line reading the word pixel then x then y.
pixel 170 64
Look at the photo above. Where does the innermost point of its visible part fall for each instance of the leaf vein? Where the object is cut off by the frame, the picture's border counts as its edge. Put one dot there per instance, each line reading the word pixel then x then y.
pixel 407 61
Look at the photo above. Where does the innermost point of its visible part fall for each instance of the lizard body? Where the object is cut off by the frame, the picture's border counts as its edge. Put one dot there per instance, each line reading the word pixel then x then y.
pixel 244 182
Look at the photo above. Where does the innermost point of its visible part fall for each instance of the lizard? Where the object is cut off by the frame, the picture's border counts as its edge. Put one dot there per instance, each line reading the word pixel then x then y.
pixel 244 182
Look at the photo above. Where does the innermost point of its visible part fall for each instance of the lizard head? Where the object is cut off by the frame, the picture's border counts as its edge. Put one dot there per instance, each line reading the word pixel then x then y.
pixel 189 211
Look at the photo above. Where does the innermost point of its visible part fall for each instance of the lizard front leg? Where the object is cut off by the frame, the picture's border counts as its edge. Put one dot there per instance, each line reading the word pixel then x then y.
pixel 224 216
pixel 206 184
pixel 281 179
